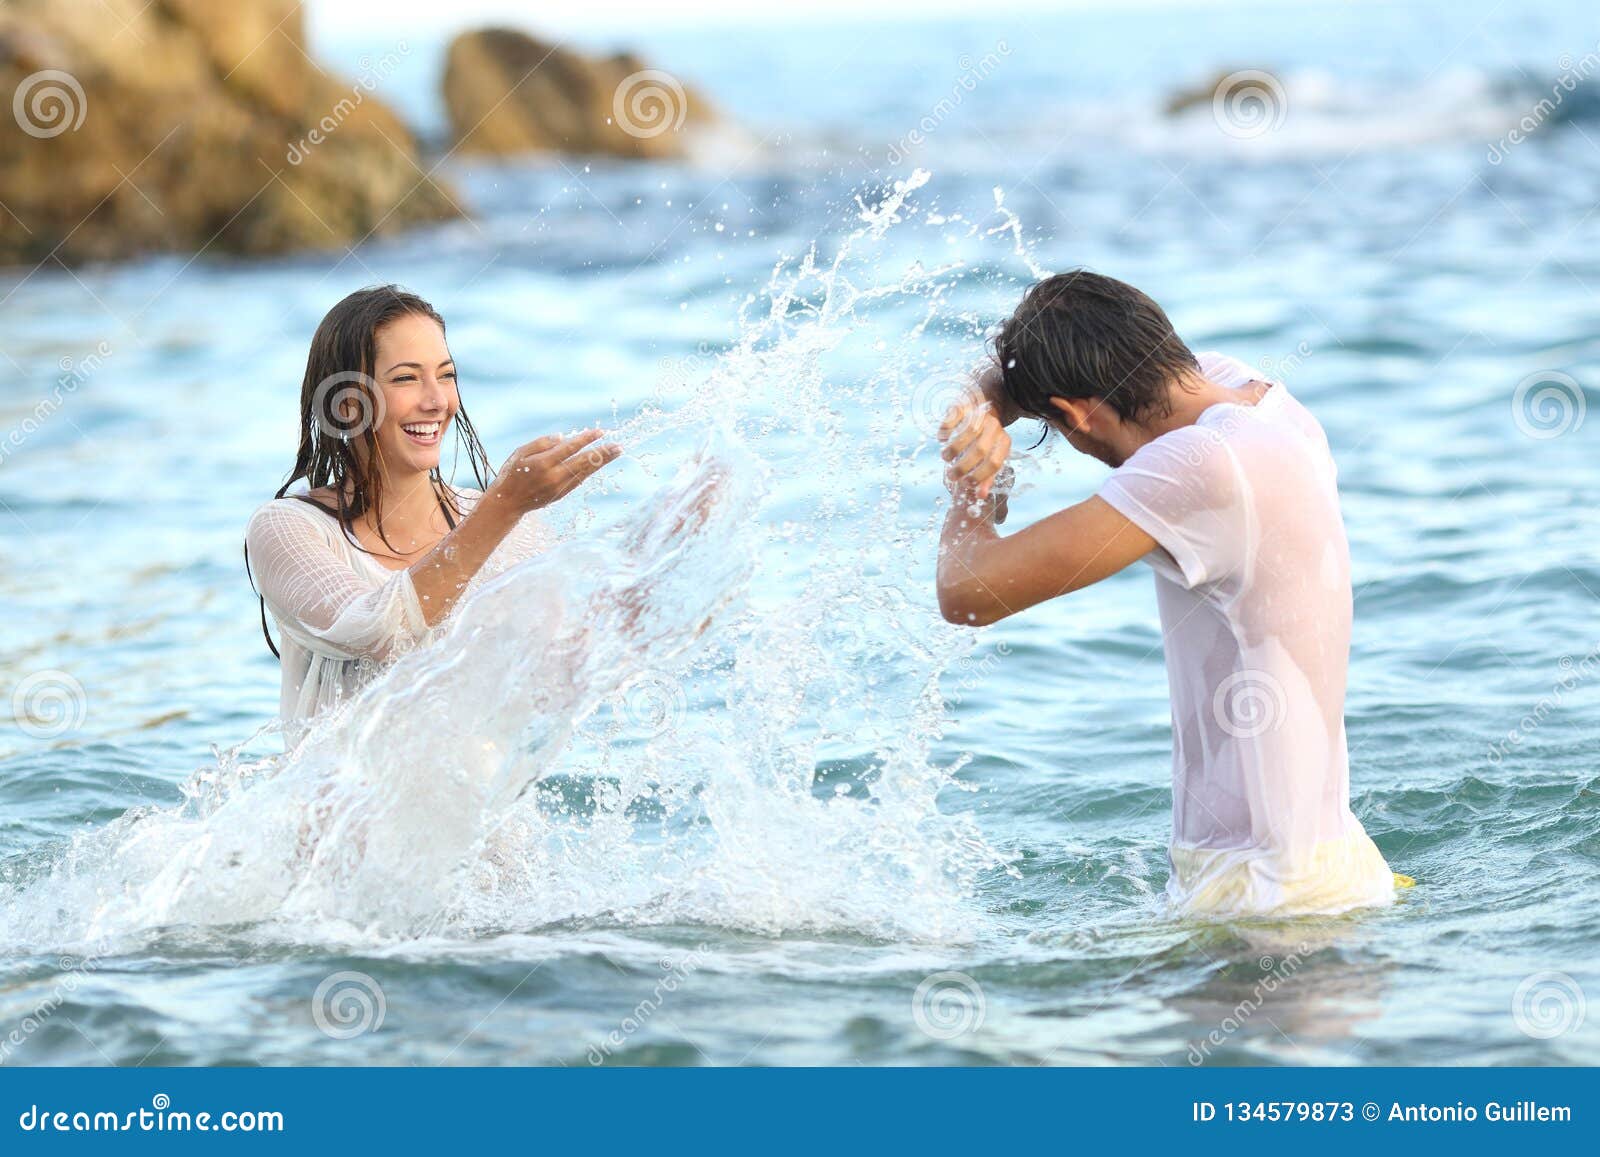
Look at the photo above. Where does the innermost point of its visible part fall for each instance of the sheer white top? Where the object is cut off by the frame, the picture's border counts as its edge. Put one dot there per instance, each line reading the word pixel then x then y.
pixel 340 613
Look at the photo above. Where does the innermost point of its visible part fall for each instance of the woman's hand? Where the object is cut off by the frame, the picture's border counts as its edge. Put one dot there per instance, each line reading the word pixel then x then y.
pixel 538 474
pixel 550 468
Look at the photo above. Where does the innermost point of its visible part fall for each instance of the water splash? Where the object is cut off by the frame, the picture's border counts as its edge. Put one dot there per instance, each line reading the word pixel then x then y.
pixel 722 708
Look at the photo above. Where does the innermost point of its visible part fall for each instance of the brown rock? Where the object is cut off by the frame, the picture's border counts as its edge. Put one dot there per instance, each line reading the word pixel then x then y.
pixel 130 127
pixel 508 93
pixel 1202 95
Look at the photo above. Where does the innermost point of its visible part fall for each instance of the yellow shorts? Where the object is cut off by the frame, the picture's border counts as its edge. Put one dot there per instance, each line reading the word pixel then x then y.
pixel 1328 877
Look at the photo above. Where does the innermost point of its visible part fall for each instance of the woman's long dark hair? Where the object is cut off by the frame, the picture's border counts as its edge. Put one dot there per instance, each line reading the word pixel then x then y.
pixel 341 407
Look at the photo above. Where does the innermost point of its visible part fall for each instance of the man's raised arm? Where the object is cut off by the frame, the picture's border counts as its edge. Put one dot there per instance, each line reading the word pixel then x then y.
pixel 983 577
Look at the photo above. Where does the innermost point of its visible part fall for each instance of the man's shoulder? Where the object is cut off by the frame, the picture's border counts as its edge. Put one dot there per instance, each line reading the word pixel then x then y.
pixel 1188 448
pixel 1226 370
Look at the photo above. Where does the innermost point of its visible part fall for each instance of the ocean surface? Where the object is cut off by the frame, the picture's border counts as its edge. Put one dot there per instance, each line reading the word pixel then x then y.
pixel 711 782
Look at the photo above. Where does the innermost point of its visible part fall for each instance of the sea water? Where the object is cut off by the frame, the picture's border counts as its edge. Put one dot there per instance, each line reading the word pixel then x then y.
pixel 711 781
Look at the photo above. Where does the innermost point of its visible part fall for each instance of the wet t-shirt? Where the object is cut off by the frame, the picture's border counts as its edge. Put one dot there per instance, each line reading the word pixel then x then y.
pixel 1253 582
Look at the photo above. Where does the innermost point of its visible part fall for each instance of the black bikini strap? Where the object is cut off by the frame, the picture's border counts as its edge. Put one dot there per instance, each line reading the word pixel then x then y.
pixel 262 600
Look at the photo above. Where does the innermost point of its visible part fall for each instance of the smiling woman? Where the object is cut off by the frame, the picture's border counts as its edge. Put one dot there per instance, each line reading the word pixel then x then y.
pixel 366 547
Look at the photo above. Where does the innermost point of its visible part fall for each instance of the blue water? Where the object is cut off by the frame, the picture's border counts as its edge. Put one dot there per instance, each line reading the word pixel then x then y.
pixel 866 837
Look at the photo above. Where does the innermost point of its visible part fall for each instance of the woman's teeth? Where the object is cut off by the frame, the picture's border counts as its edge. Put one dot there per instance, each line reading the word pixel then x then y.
pixel 424 433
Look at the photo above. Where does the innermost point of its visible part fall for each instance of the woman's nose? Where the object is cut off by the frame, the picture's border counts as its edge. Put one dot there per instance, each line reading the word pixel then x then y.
pixel 434 395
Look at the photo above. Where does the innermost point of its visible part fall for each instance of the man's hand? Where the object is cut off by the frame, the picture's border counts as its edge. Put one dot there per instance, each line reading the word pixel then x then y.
pixel 975 447
pixel 991 384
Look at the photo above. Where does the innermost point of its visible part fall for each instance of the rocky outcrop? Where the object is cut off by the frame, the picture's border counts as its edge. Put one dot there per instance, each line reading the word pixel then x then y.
pixel 1194 96
pixel 191 125
pixel 508 93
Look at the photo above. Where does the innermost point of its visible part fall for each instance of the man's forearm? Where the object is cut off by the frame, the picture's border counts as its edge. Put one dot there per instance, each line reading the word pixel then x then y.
pixel 963 595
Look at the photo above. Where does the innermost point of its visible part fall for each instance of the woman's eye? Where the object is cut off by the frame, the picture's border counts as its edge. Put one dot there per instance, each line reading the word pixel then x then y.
pixel 407 378
pixel 451 374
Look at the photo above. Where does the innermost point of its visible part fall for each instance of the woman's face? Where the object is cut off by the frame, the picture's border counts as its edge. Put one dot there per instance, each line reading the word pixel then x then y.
pixel 418 380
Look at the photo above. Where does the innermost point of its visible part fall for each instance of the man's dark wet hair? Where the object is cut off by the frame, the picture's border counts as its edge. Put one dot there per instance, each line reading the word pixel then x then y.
pixel 1081 335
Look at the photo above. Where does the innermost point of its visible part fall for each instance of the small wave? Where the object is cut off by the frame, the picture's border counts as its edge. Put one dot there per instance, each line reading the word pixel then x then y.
pixel 1265 112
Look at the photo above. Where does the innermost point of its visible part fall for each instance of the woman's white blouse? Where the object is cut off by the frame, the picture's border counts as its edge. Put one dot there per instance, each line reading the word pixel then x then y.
pixel 340 613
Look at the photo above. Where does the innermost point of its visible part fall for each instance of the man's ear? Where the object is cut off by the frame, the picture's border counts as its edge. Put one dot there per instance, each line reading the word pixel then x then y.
pixel 1074 411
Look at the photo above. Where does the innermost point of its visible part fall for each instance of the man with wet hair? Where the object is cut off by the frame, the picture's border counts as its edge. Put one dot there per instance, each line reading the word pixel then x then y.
pixel 1224 484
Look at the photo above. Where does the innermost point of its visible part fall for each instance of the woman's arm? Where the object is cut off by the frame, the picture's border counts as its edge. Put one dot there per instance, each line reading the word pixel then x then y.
pixel 538 474
pixel 441 576
pixel 331 609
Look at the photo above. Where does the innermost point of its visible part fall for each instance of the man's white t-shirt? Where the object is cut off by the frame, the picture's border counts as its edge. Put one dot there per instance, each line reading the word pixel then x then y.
pixel 1253 580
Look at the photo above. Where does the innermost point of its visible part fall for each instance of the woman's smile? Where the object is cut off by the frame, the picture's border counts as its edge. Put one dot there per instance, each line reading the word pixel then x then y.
pixel 423 433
